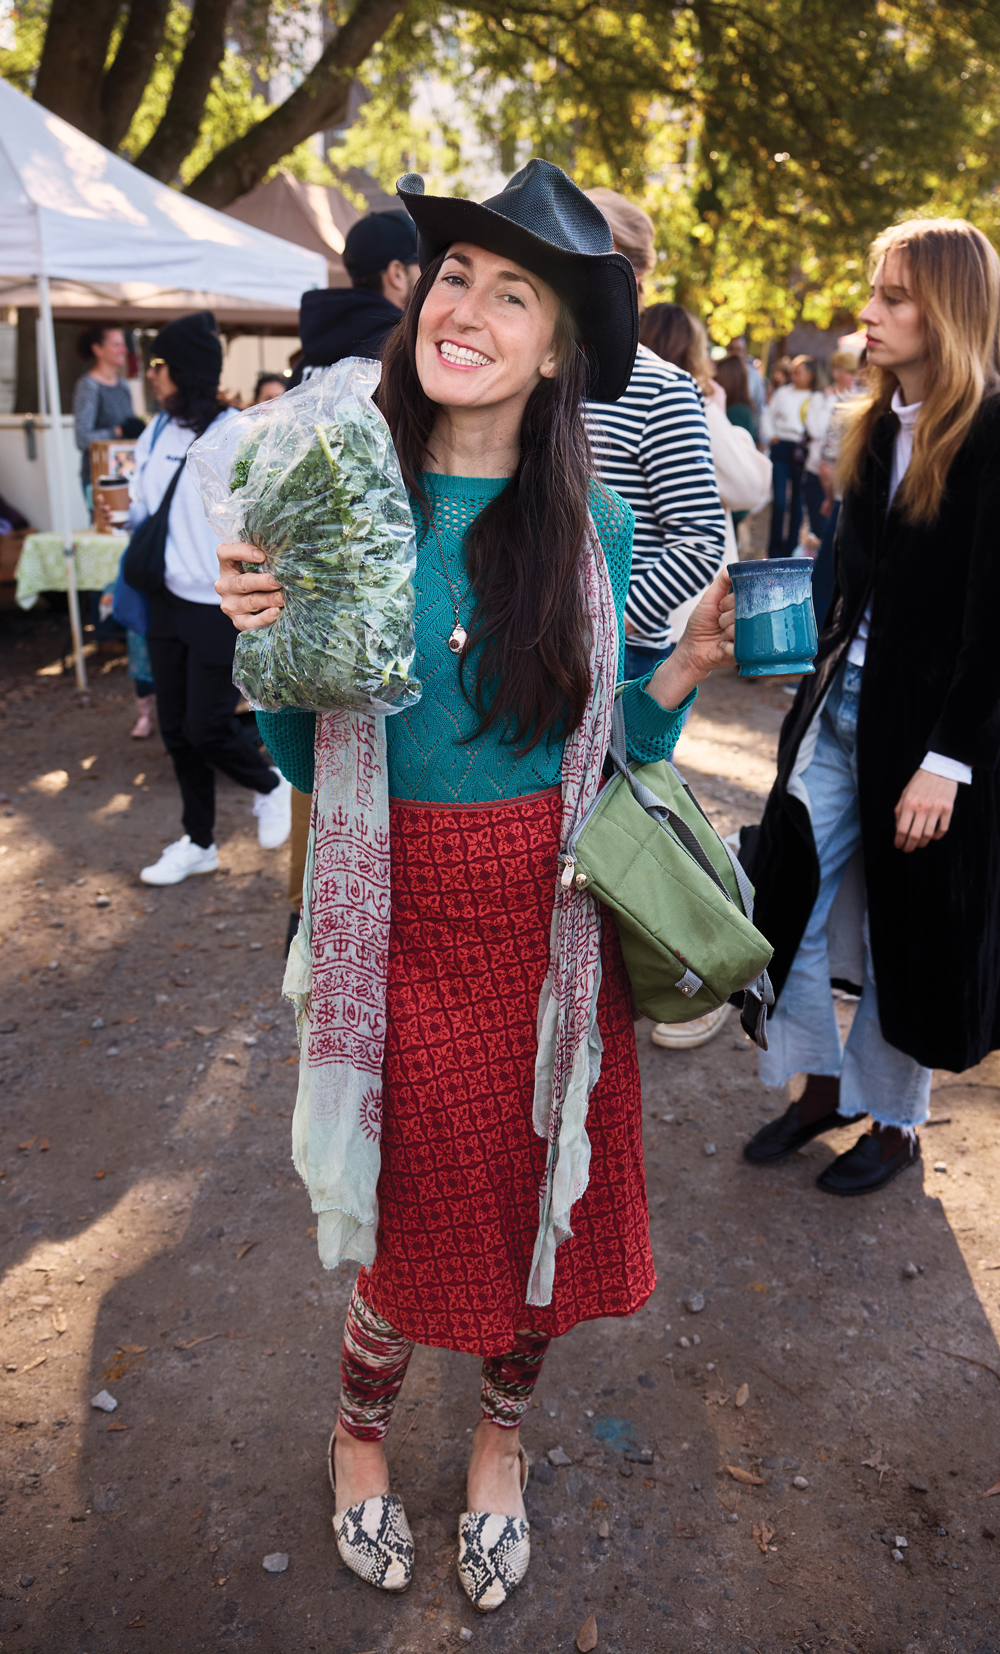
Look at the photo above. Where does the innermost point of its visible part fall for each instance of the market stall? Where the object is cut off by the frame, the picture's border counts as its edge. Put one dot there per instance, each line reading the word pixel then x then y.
pixel 77 221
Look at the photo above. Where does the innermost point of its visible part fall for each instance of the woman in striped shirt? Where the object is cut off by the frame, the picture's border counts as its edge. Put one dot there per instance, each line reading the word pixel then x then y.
pixel 652 447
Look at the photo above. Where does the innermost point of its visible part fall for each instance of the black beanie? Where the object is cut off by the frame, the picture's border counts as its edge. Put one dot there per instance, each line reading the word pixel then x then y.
pixel 373 242
pixel 192 349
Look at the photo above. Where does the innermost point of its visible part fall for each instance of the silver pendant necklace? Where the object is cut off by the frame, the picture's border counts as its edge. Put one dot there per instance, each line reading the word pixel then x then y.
pixel 459 636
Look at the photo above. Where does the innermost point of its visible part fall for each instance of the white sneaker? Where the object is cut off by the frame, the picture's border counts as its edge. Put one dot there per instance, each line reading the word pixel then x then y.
pixel 179 861
pixel 274 814
pixel 684 1036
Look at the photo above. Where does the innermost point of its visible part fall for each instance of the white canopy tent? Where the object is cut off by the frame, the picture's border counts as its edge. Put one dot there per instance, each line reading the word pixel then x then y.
pixel 72 212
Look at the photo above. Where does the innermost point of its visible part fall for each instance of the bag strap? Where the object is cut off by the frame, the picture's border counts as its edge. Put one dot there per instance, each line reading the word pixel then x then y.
pixel 163 509
pixel 743 883
pixel 655 807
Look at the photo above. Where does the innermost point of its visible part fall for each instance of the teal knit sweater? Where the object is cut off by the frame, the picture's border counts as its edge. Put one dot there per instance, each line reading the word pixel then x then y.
pixel 429 755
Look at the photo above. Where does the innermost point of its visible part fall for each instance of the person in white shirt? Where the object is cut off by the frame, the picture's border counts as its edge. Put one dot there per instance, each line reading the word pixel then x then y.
pixel 817 423
pixel 191 642
pixel 784 429
pixel 877 863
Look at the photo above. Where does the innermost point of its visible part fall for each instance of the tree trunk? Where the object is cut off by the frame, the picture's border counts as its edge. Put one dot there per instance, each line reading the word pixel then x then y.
pixel 125 81
pixel 178 131
pixel 319 102
pixel 73 58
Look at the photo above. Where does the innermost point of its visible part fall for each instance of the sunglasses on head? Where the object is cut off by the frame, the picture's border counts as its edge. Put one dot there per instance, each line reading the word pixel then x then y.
pixel 155 363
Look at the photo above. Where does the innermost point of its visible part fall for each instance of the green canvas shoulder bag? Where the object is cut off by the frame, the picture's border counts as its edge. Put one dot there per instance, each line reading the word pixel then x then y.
pixel 681 900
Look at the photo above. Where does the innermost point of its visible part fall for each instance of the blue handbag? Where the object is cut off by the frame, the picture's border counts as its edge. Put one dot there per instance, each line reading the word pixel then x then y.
pixel 130 608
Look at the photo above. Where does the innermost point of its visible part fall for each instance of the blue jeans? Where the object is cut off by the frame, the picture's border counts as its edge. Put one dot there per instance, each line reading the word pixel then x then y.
pixel 803 1036
pixel 640 659
pixel 813 494
pixel 787 479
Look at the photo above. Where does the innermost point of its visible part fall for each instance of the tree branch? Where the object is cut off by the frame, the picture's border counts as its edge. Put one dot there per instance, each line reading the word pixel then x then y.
pixel 178 131
pixel 125 81
pixel 72 61
pixel 320 101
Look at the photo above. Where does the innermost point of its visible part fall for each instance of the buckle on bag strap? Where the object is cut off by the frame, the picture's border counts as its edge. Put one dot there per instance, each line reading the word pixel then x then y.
pixel 757 1001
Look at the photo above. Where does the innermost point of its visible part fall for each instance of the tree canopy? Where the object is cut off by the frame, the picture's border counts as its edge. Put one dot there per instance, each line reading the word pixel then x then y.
pixel 769 139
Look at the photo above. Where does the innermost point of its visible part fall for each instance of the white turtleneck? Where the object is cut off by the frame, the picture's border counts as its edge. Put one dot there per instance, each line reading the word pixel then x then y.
pixel 902 449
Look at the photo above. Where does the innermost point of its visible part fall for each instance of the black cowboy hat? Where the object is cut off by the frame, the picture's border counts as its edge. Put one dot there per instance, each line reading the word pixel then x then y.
pixel 543 221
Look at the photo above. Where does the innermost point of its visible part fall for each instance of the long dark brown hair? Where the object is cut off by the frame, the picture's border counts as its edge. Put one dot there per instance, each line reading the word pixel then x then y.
pixel 732 376
pixel 523 551
pixel 194 405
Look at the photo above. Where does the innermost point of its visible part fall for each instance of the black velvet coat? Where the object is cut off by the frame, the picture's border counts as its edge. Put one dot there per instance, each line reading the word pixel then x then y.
pixel 931 683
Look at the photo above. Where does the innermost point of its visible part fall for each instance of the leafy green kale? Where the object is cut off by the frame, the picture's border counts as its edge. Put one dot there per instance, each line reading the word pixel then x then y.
pixel 324 501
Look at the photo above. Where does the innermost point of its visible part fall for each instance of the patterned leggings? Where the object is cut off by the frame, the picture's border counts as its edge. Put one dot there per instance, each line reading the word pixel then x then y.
pixel 375 1358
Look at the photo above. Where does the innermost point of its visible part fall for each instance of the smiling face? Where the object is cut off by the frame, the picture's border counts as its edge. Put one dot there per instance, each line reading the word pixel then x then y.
pixel 112 353
pixel 896 334
pixel 486 334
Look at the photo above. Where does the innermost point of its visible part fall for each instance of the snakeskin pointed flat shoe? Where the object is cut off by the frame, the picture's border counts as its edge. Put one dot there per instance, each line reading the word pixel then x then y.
pixel 493 1553
pixel 374 1538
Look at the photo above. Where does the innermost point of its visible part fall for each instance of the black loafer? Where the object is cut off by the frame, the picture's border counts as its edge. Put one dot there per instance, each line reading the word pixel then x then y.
pixel 784 1136
pixel 861 1170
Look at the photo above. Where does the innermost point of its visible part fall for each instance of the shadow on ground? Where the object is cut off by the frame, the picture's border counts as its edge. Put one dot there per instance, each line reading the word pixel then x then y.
pixel 158 1247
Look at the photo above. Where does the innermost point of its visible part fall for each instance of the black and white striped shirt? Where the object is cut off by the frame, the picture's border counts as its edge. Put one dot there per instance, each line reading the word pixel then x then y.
pixel 652 446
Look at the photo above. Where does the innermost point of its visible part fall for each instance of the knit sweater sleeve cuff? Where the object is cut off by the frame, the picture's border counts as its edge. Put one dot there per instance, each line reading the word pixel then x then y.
pixel 290 738
pixel 651 730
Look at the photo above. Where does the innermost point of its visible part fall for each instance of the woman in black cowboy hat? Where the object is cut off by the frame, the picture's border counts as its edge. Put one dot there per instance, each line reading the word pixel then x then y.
pixel 510 1200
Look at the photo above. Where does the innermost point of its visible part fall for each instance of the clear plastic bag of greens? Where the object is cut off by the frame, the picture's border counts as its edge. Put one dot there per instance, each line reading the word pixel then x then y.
pixel 311 478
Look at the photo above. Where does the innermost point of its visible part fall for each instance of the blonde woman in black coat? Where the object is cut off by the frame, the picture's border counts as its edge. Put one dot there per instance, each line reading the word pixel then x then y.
pixel 878 859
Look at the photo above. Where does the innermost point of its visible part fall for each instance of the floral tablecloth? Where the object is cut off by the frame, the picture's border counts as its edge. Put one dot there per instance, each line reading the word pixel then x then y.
pixel 42 566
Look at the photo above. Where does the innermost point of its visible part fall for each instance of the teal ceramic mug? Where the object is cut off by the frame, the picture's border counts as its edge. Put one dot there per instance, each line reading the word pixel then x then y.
pixel 775 618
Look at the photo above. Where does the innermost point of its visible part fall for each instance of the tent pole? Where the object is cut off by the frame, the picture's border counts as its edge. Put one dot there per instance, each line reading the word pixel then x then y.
pixel 43 408
pixel 55 462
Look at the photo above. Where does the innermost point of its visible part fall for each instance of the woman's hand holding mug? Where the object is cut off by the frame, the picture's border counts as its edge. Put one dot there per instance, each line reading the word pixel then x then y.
pixel 706 644
pixel 250 600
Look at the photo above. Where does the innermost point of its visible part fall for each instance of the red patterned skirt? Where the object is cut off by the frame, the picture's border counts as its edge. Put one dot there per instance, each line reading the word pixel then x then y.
pixel 472 889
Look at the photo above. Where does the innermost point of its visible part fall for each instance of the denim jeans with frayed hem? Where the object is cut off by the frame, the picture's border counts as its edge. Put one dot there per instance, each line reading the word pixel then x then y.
pixel 802 1032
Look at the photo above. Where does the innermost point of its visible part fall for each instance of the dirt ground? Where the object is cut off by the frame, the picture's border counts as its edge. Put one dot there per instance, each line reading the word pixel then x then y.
pixel 156 1243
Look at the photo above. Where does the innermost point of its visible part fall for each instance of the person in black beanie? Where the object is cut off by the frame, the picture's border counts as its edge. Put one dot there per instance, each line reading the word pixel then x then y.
pixel 380 254
pixel 191 642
